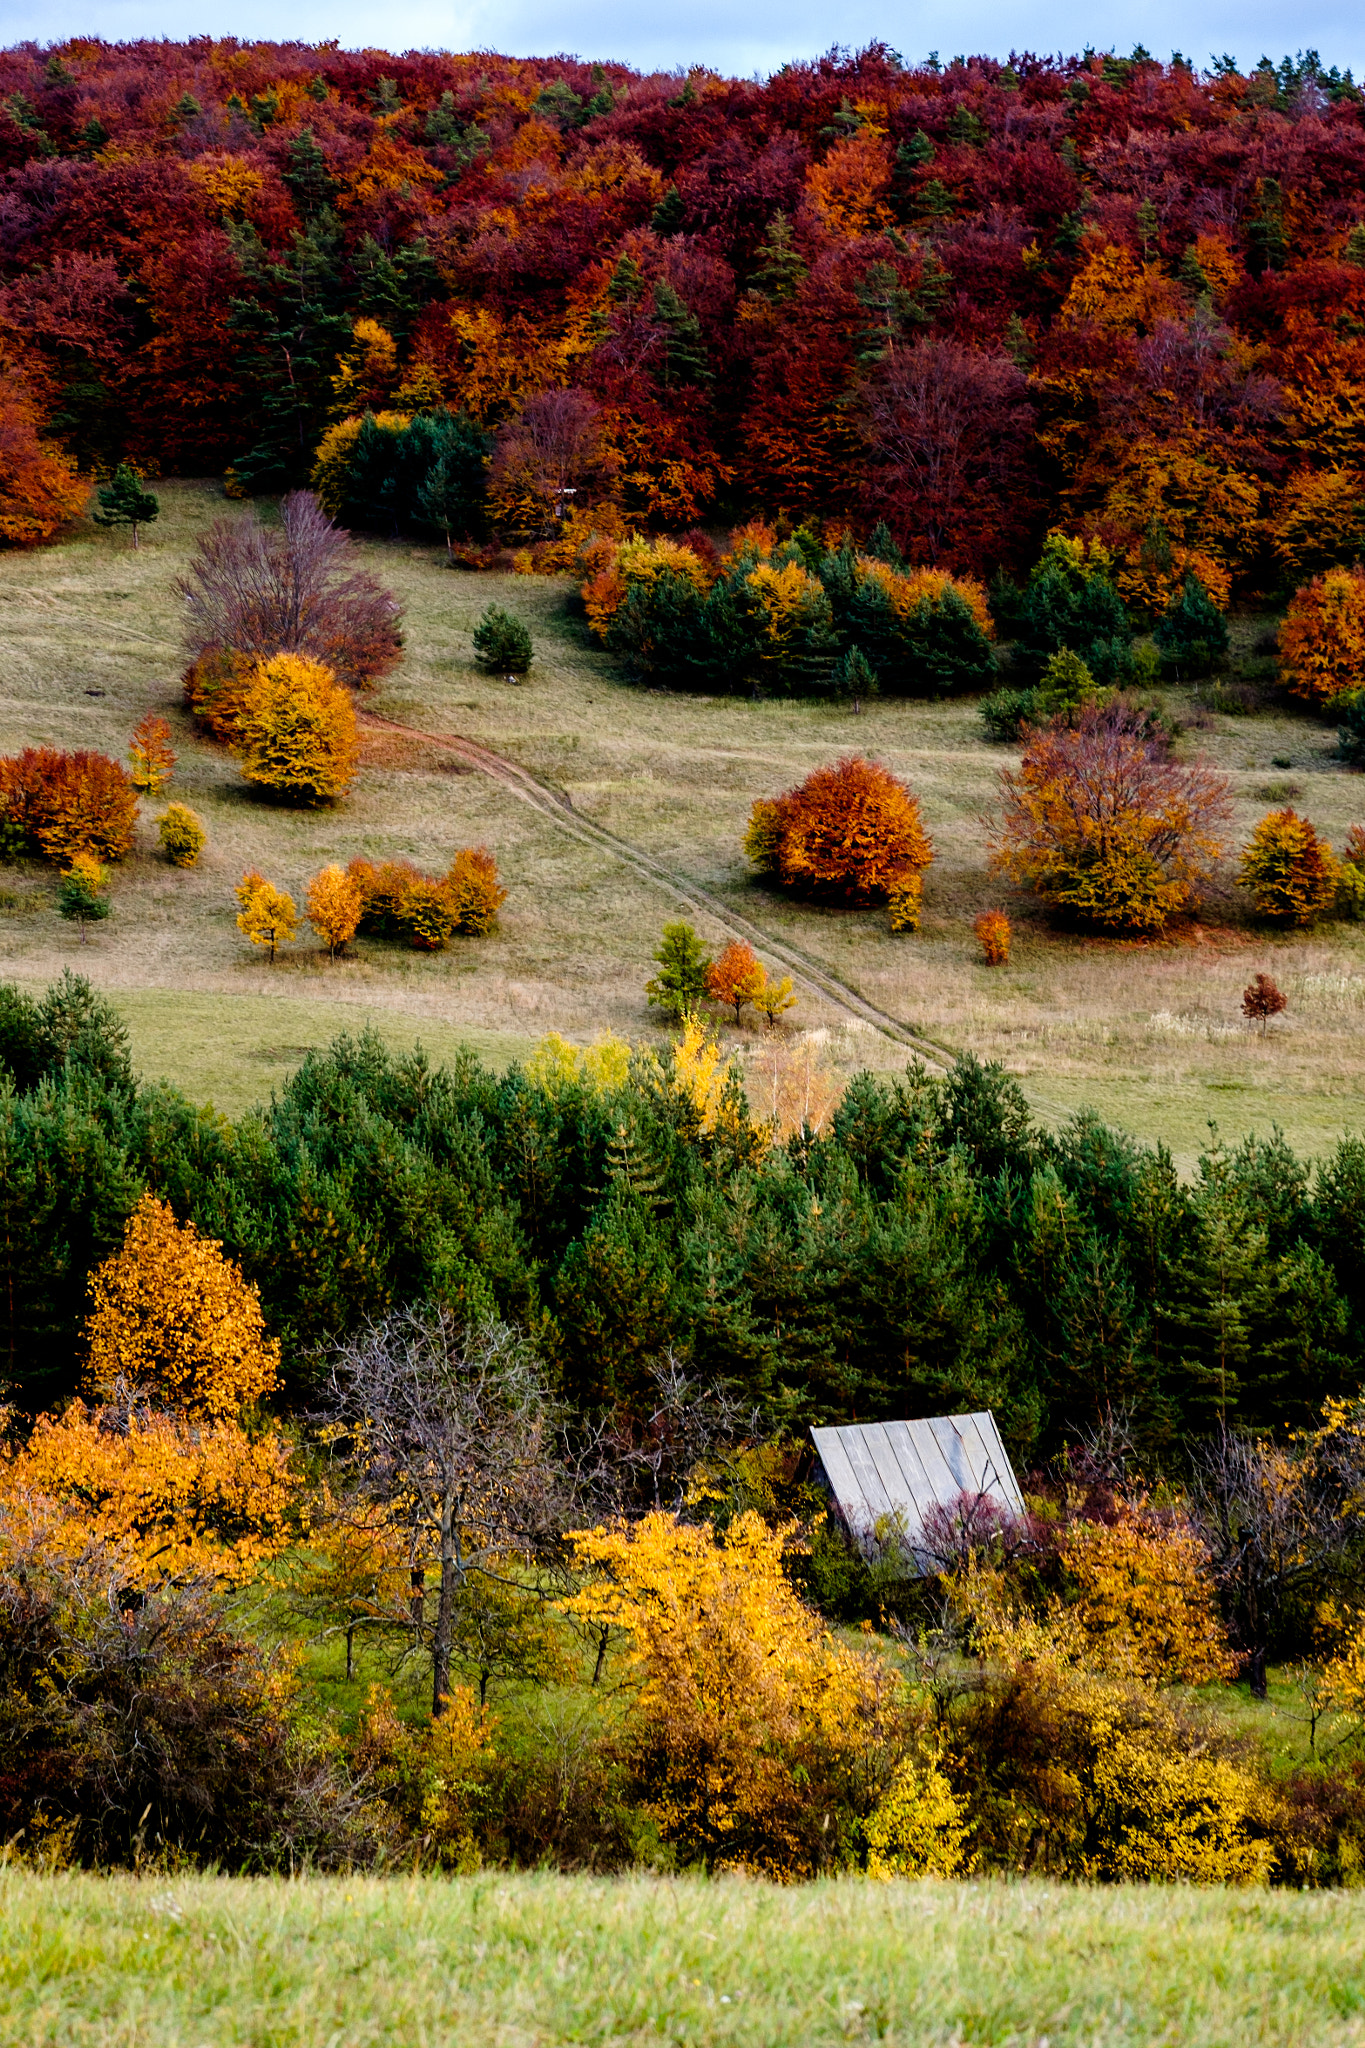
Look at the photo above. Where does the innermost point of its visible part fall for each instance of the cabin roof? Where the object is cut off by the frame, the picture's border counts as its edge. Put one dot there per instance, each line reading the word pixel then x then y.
pixel 881 1471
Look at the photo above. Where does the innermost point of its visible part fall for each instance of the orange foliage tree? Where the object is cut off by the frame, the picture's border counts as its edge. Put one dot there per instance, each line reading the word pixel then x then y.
pixel 267 915
pixel 152 755
pixel 297 733
pixel 59 805
pixel 736 977
pixel 171 1315
pixel 39 487
pixel 992 930
pixel 399 901
pixel 334 905
pixel 851 834
pixel 750 1723
pixel 1100 821
pixel 1291 872
pixel 1322 641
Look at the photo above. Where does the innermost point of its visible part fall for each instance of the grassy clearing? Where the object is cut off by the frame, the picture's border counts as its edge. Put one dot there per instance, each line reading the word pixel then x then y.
pixel 1151 1036
pixel 541 1959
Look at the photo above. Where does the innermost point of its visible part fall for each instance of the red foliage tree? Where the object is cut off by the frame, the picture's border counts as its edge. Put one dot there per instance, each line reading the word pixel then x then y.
pixel 848 834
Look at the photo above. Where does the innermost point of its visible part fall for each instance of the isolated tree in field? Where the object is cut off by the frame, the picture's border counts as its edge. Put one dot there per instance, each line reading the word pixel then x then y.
pixel 152 755
pixel 992 930
pixel 1262 1000
pixel 1291 872
pixel 450 1434
pixel 172 1316
pixel 182 835
pixel 1102 823
pixel 83 892
pixel 297 733
pixel 736 978
pixel 848 834
pixel 1322 641
pixel 126 501
pixel 267 915
pixel 853 679
pixel 502 644
pixel 334 905
pixel 684 963
pixel 290 589
pixel 774 999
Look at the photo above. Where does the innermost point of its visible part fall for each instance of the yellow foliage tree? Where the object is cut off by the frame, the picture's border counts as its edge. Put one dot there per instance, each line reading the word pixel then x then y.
pixel 1322 641
pixel 170 1313
pixel 334 907
pixel 849 190
pixel 152 755
pixel 750 1721
pixel 297 733
pixel 182 1493
pixel 917 1829
pixel 701 1071
pixel 229 183
pixel 1146 1602
pixel 267 915
pixel 182 835
pixel 1292 874
pixel 604 1065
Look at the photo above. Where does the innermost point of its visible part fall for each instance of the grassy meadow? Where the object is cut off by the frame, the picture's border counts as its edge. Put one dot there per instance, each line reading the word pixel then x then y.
pixel 1151 1036
pixel 523 1961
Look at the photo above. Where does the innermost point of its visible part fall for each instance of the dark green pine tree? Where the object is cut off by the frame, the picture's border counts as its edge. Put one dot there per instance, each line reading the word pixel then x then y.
pixel 126 501
pixel 882 547
pixel 781 272
pixel 853 679
pixel 668 216
pixel 502 644
pixel 1191 635
pixel 684 350
pixel 680 984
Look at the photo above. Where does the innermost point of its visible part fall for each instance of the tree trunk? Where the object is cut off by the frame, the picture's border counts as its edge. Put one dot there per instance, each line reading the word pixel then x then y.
pixel 445 1608
pixel 1256 1672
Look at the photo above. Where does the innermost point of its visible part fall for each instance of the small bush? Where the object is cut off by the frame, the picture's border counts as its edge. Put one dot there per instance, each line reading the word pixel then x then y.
pixel 1065 687
pixel 84 892
pixel 847 834
pixel 475 895
pixel 216 685
pixel 182 835
pixel 58 804
pixel 1005 712
pixel 1322 641
pixel 905 903
pixel 1351 731
pixel 1292 874
pixel 502 644
pixel 152 755
pixel 992 930
pixel 334 904
pixel 1191 635
pixel 1262 1000
pixel 425 916
pixel 297 733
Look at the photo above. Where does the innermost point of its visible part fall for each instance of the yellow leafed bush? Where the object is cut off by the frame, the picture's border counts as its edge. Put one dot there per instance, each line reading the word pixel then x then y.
pixel 917 1828
pixel 1146 1601
pixel 182 835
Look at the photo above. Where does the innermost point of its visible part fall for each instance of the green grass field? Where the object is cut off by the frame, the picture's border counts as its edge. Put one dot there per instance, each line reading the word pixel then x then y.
pixel 1149 1035
pixel 523 1961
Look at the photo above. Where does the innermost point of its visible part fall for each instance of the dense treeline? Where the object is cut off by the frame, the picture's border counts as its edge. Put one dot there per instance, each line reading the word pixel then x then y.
pixel 973 300
pixel 933 1251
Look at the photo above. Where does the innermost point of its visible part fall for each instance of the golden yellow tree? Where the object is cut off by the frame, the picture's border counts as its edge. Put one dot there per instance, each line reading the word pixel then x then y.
pixel 749 1718
pixel 171 1314
pixel 297 733
pixel 1146 1601
pixel 267 916
pixel 181 1492
pixel 151 754
pixel 334 906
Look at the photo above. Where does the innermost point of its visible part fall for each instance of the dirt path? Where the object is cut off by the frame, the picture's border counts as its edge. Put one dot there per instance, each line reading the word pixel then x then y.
pixel 557 806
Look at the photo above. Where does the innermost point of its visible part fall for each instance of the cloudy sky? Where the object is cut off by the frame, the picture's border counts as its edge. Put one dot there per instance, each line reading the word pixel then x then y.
pixel 718 33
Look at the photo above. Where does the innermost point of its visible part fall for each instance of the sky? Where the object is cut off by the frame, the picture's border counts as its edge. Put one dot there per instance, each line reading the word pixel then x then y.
pixel 759 37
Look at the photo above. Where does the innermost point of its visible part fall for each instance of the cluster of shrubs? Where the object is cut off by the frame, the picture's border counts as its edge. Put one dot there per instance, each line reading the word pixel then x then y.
pixel 791 619
pixel 399 901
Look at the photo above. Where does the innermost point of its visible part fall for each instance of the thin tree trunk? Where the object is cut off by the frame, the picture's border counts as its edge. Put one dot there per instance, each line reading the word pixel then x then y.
pixel 440 1641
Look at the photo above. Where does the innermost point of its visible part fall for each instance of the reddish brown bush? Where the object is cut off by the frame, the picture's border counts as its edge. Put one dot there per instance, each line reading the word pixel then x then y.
pixel 60 804
pixel 216 684
pixel 848 834
pixel 1262 1000
pixel 290 589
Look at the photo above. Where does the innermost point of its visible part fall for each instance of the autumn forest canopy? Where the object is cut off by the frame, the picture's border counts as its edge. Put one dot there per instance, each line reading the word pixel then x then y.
pixel 972 301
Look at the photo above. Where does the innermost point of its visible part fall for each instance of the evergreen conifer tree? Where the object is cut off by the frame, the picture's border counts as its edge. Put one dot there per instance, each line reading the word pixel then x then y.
pixel 1192 635
pixel 126 502
pixel 502 644
pixel 684 962
pixel 854 678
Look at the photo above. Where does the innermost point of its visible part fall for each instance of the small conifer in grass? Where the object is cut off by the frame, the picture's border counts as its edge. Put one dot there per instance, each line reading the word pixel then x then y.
pixel 126 501
pixel 83 892
pixel 267 914
pixel 736 977
pixel 993 935
pixel 502 644
pixel 296 736
pixel 1261 1001
pixel 1065 687
pixel 1291 873
pixel 334 905
pixel 151 754
pixel 684 964
pixel 182 835
pixel 853 678
pixel 1191 635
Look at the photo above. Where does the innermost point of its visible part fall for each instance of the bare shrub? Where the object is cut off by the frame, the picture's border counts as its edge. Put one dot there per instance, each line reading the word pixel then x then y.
pixel 290 589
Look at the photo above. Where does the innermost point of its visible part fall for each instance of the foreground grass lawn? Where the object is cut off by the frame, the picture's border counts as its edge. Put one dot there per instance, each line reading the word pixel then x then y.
pixel 529 1960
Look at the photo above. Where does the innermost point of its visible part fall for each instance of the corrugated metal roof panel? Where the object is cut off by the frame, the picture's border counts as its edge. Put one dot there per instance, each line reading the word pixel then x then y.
pixel 894 1472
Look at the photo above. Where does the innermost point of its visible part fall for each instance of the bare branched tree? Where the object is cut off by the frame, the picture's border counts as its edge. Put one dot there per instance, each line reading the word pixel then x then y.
pixel 1277 1524
pixel 451 1436
pixel 648 1463
pixel 292 589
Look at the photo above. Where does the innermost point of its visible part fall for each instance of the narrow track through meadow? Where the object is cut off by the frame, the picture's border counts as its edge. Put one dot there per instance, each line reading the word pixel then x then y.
pixel 557 806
